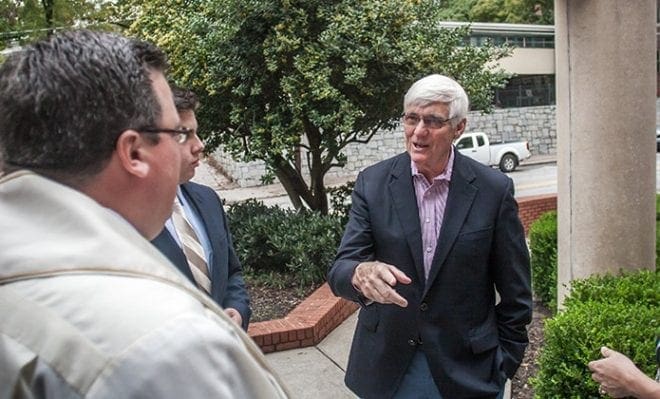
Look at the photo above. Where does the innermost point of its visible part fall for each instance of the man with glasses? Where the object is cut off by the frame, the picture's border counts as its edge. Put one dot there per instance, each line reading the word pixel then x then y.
pixel 90 150
pixel 432 235
pixel 207 257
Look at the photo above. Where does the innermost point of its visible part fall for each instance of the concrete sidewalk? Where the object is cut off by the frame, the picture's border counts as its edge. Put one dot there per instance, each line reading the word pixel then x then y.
pixel 317 372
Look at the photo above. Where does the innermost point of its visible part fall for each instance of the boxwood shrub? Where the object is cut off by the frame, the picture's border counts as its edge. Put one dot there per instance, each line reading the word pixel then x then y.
pixel 282 247
pixel 657 230
pixel 543 257
pixel 621 312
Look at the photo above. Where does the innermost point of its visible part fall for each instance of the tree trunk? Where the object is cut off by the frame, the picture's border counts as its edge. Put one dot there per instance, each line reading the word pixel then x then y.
pixel 297 189
pixel 48 14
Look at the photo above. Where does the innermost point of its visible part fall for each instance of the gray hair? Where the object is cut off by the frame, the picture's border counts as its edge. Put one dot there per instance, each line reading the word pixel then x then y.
pixel 64 101
pixel 438 89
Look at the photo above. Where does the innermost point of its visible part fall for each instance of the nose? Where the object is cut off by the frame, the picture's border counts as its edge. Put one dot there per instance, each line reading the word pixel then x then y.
pixel 420 128
pixel 198 144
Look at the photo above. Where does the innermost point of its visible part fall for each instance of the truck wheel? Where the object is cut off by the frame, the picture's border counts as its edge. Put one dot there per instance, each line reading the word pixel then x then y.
pixel 508 163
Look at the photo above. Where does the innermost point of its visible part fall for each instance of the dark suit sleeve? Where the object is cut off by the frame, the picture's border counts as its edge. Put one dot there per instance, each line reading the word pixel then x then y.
pixel 513 282
pixel 237 295
pixel 356 246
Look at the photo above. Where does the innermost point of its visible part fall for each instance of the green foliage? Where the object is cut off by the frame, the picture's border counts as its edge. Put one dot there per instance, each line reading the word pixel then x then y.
pixel 543 248
pixel 619 312
pixel 509 11
pixel 283 247
pixel 340 199
pixel 26 21
pixel 634 288
pixel 456 10
pixel 283 79
pixel 657 231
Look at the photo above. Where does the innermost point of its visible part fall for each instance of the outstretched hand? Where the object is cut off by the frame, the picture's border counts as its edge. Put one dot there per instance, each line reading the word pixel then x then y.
pixel 376 281
pixel 619 377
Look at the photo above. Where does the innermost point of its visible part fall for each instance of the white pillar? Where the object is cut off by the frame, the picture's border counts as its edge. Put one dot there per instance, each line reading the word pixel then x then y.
pixel 606 92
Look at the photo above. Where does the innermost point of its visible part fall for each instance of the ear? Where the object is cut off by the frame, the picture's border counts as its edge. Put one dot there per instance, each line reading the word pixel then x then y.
pixel 460 128
pixel 131 150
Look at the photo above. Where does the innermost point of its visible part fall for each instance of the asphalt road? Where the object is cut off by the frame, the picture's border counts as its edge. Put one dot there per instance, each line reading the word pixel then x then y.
pixel 542 178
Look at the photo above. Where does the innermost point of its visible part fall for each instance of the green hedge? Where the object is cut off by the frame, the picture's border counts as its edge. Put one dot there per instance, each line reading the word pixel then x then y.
pixel 282 247
pixel 543 248
pixel 657 230
pixel 620 312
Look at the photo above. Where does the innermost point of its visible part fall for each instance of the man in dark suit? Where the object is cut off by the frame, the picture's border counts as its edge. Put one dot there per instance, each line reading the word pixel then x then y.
pixel 220 272
pixel 432 234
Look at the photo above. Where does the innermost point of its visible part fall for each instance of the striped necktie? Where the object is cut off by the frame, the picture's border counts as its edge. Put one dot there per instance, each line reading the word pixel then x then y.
pixel 191 247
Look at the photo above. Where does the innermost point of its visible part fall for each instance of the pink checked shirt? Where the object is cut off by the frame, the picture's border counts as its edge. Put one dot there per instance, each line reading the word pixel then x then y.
pixel 431 201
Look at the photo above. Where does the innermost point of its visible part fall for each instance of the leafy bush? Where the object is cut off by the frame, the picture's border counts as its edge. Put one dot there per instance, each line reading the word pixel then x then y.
pixel 340 200
pixel 634 288
pixel 657 230
pixel 543 247
pixel 620 312
pixel 282 247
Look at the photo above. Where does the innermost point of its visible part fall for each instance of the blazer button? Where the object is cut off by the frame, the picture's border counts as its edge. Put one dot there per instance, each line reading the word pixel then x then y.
pixel 412 342
pixel 424 307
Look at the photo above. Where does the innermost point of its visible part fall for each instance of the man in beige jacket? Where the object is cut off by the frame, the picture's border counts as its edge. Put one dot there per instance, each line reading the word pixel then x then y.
pixel 89 142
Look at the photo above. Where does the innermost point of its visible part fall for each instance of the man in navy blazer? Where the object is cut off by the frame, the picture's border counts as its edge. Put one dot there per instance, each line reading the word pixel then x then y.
pixel 204 210
pixel 432 235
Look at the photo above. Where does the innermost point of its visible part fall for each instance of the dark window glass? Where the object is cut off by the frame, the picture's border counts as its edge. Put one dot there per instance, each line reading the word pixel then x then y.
pixel 465 142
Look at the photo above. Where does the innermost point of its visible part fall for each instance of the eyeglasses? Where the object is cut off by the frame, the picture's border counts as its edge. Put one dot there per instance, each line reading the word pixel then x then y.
pixel 430 121
pixel 179 135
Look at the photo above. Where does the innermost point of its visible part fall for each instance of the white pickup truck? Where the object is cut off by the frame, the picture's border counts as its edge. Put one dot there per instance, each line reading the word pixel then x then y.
pixel 505 155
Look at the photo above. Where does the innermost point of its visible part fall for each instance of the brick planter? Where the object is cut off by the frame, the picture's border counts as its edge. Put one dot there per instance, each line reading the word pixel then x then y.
pixel 306 325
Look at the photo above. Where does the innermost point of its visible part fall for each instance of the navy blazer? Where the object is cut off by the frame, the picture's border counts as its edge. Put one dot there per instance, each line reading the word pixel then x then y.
pixel 227 285
pixel 471 344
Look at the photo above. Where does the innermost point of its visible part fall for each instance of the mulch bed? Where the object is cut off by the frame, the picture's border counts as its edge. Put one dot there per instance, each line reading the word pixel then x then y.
pixel 270 303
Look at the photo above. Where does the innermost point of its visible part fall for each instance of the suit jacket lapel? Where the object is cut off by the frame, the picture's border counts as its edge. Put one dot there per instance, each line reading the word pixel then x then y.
pixel 169 247
pixel 459 201
pixel 405 205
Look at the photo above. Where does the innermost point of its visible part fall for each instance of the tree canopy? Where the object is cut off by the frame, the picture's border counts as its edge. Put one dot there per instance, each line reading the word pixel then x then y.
pixel 509 11
pixel 284 78
pixel 27 20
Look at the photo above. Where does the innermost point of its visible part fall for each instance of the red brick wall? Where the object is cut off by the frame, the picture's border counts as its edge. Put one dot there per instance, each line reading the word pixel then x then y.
pixel 322 312
pixel 530 208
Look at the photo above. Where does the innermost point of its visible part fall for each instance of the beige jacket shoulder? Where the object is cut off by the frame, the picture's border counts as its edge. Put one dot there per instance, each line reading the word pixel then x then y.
pixel 88 308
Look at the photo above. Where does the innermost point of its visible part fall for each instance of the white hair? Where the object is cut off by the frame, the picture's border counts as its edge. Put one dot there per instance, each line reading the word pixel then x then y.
pixel 438 89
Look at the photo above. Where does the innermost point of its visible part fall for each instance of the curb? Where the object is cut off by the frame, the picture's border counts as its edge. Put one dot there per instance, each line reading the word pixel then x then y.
pixel 306 325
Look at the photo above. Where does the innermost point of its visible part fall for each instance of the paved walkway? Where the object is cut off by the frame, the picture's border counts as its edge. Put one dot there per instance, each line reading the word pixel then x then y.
pixel 315 372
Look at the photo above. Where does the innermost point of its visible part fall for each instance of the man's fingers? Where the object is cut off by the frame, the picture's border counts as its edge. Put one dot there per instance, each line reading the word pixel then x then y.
pixel 605 351
pixel 376 281
pixel 387 294
pixel 399 276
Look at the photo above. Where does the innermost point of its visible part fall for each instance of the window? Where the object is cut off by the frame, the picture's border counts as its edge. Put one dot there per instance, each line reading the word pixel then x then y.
pixel 464 143
pixel 480 141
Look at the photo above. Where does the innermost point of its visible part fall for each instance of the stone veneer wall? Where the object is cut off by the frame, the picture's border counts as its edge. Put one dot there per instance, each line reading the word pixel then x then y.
pixel 537 125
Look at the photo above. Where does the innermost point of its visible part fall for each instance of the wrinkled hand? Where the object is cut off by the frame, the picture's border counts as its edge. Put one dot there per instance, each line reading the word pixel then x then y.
pixel 376 281
pixel 617 375
pixel 234 316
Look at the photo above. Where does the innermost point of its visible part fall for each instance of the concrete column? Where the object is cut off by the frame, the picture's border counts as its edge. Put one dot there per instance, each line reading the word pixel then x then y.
pixel 606 86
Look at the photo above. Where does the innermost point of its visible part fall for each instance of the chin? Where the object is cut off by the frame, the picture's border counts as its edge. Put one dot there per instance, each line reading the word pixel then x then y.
pixel 186 177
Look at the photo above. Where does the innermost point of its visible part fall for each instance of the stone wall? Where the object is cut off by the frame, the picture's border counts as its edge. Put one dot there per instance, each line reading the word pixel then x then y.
pixel 537 125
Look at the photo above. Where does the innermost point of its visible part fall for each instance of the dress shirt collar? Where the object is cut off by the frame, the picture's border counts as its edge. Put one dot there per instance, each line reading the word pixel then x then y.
pixel 444 176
